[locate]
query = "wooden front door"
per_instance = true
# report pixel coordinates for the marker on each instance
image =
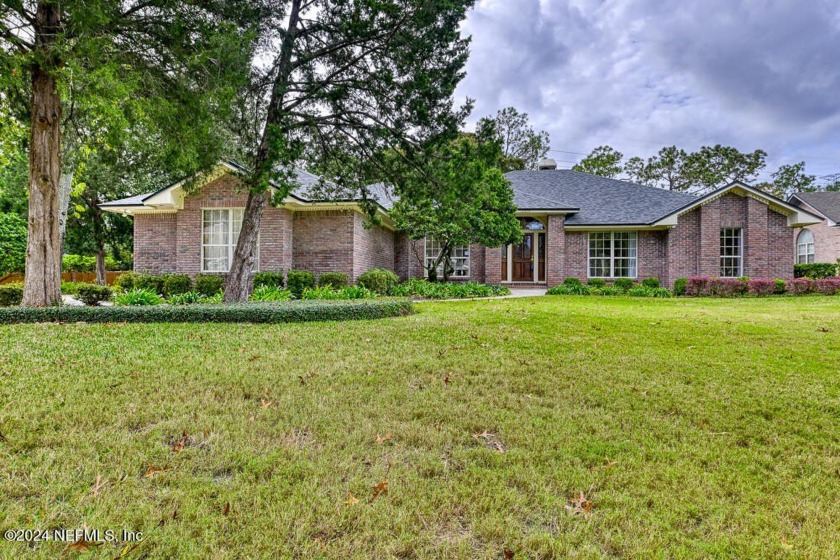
(523, 259)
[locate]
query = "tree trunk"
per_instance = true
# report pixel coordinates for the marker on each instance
(98, 220)
(42, 284)
(65, 185)
(238, 283)
(100, 267)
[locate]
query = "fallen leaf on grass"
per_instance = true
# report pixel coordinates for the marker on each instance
(508, 554)
(98, 485)
(823, 329)
(491, 440)
(226, 509)
(580, 505)
(181, 442)
(351, 499)
(128, 549)
(152, 471)
(446, 379)
(382, 439)
(82, 545)
(380, 489)
(265, 404)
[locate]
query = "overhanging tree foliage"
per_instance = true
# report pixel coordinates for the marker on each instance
(185, 56)
(457, 197)
(522, 146)
(604, 161)
(342, 81)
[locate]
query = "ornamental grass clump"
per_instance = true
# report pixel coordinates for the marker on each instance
(138, 296)
(270, 293)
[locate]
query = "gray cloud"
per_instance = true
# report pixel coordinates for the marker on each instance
(640, 74)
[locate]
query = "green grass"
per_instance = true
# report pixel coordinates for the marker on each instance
(696, 428)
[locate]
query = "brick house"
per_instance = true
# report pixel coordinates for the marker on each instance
(573, 224)
(818, 242)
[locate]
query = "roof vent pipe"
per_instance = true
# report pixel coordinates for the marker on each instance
(547, 164)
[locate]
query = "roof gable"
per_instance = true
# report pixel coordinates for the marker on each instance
(826, 203)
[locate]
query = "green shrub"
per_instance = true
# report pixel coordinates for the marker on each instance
(324, 292)
(280, 312)
(572, 289)
(176, 284)
(268, 278)
(92, 294)
(610, 291)
(357, 292)
(209, 284)
(187, 298)
(816, 271)
(780, 286)
(379, 280)
(417, 287)
(13, 232)
(651, 282)
(642, 291)
(270, 293)
(11, 294)
(594, 282)
(299, 280)
(70, 288)
(624, 283)
(138, 296)
(333, 279)
(78, 263)
(680, 286)
(125, 281)
(573, 282)
(150, 282)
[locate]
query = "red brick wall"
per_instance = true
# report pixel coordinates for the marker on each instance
(373, 247)
(154, 245)
(652, 255)
(577, 256)
(694, 244)
(555, 251)
(323, 241)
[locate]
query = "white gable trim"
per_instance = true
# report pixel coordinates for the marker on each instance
(796, 217)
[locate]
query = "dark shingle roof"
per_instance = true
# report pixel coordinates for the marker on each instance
(825, 202)
(599, 201)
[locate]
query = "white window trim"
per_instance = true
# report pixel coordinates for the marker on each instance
(612, 276)
(468, 261)
(805, 253)
(740, 256)
(231, 248)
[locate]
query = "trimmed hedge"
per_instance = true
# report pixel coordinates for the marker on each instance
(378, 280)
(176, 284)
(448, 290)
(209, 285)
(816, 271)
(268, 278)
(282, 312)
(298, 281)
(333, 280)
(93, 294)
(11, 294)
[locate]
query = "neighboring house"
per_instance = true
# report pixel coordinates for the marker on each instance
(818, 242)
(573, 224)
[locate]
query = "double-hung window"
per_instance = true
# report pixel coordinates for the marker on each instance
(459, 256)
(219, 235)
(731, 253)
(612, 254)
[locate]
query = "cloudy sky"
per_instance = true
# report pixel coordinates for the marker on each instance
(642, 74)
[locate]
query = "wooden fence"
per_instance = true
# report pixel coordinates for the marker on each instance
(89, 277)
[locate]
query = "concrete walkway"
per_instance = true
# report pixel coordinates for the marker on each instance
(525, 292)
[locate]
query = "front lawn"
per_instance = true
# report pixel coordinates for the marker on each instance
(693, 427)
